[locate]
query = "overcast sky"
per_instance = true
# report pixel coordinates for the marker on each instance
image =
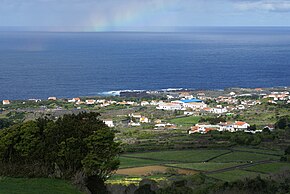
(94, 15)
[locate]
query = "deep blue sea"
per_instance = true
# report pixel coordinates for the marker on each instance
(43, 64)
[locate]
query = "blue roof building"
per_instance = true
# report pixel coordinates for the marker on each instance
(191, 100)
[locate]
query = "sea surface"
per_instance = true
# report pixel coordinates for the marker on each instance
(43, 64)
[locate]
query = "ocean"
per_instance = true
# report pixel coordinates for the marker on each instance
(43, 64)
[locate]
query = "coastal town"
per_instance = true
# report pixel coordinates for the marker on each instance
(157, 110)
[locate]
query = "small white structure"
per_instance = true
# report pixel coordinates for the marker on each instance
(188, 113)
(6, 102)
(219, 110)
(90, 101)
(144, 120)
(52, 98)
(109, 122)
(241, 107)
(145, 103)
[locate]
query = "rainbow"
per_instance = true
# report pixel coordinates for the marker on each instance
(134, 14)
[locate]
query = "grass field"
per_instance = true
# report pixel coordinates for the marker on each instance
(261, 151)
(207, 166)
(180, 156)
(245, 157)
(234, 175)
(36, 186)
(185, 121)
(136, 162)
(270, 168)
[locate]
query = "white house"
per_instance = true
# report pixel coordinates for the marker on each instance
(219, 110)
(5, 102)
(145, 103)
(240, 126)
(227, 126)
(90, 101)
(109, 122)
(52, 98)
(170, 106)
(195, 105)
(144, 120)
(74, 100)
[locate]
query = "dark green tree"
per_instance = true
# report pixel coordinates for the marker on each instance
(61, 148)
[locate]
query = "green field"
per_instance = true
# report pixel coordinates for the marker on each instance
(180, 156)
(245, 157)
(270, 168)
(261, 151)
(185, 121)
(207, 166)
(234, 175)
(36, 186)
(136, 162)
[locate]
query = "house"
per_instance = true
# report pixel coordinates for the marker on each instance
(144, 120)
(240, 126)
(74, 100)
(219, 110)
(145, 103)
(192, 103)
(109, 122)
(241, 107)
(202, 128)
(195, 105)
(90, 101)
(5, 102)
(188, 113)
(52, 98)
(170, 106)
(270, 127)
(165, 126)
(227, 126)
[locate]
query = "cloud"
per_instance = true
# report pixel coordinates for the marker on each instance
(264, 5)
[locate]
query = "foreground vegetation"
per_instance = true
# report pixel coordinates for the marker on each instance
(36, 186)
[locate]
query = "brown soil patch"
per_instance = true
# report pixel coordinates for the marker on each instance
(145, 170)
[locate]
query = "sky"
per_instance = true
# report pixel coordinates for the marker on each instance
(108, 15)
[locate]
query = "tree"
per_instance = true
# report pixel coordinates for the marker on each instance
(283, 122)
(65, 147)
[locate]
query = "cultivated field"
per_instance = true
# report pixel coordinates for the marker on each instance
(224, 164)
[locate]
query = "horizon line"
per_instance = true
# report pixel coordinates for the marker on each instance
(89, 29)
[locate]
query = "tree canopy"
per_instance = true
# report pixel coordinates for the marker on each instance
(61, 148)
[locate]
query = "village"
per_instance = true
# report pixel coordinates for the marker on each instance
(155, 110)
